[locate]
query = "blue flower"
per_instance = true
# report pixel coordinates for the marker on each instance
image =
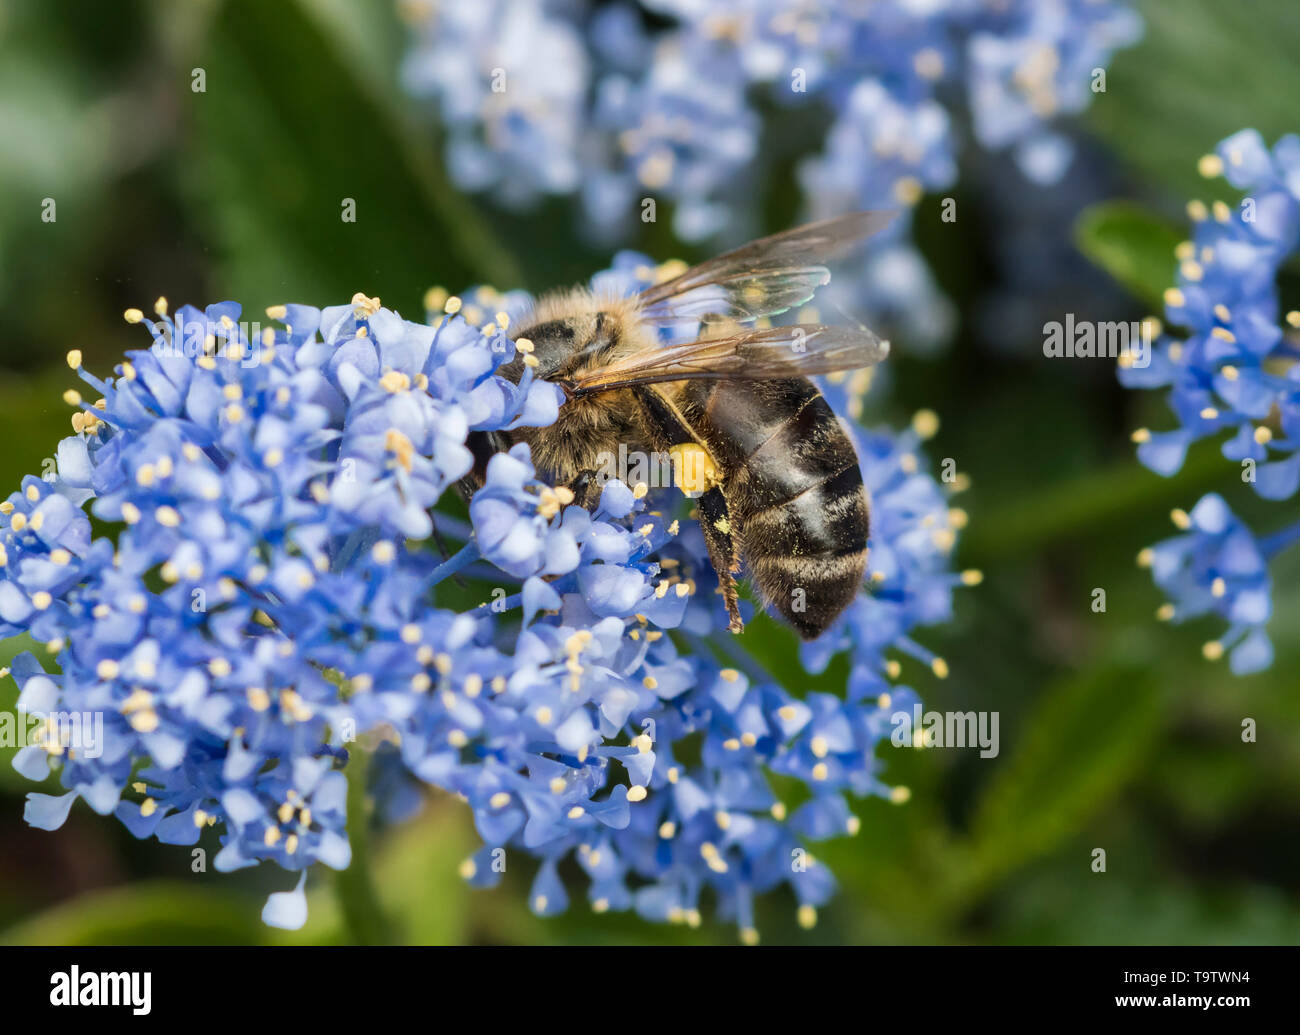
(1218, 567)
(627, 104)
(260, 597)
(1231, 375)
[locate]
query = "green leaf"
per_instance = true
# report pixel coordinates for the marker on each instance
(289, 129)
(150, 913)
(1203, 70)
(1085, 739)
(417, 874)
(1133, 245)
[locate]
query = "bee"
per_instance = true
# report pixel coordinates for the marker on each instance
(782, 487)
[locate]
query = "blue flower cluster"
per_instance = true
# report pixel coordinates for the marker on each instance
(1231, 372)
(658, 99)
(234, 567)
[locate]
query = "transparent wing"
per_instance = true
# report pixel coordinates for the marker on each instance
(763, 278)
(798, 350)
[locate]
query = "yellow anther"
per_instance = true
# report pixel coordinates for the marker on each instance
(363, 306)
(401, 447)
(395, 381)
(925, 423)
(908, 190)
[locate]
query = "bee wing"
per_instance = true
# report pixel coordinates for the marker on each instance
(799, 350)
(762, 278)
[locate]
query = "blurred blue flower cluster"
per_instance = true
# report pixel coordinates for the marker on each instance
(234, 567)
(660, 99)
(1231, 372)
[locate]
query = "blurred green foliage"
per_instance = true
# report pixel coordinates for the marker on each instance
(1115, 733)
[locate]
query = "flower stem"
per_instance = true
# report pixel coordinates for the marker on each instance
(462, 558)
(1279, 541)
(363, 913)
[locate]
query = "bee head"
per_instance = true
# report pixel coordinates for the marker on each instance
(566, 343)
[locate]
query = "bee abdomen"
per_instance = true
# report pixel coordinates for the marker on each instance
(804, 514)
(807, 555)
(794, 487)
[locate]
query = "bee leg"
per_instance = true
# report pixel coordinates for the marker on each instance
(724, 552)
(586, 489)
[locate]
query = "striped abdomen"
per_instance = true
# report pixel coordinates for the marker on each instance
(794, 491)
